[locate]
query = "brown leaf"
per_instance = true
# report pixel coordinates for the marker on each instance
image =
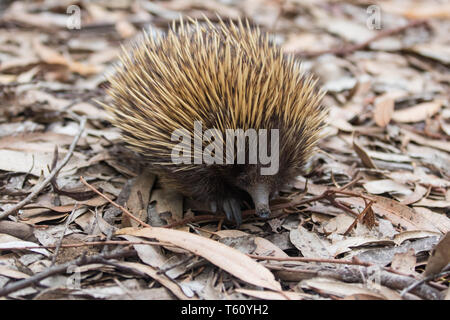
(440, 256)
(405, 262)
(419, 193)
(226, 258)
(162, 279)
(310, 245)
(139, 197)
(384, 108)
(362, 153)
(51, 56)
(167, 201)
(418, 113)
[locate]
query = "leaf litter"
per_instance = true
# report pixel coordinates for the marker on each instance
(375, 198)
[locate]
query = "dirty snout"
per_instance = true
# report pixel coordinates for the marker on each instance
(260, 194)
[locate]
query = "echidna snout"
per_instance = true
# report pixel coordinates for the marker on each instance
(260, 194)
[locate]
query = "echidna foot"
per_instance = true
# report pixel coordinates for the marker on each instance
(231, 207)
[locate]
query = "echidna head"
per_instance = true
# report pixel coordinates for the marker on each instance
(261, 188)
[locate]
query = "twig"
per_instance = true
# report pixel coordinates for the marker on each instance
(358, 218)
(201, 218)
(353, 274)
(351, 183)
(62, 268)
(92, 243)
(55, 254)
(420, 282)
(327, 194)
(352, 48)
(388, 279)
(124, 210)
(47, 180)
(354, 261)
(303, 259)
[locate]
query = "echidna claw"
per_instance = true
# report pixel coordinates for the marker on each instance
(232, 209)
(213, 206)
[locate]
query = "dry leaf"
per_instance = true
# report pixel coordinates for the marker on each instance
(162, 279)
(309, 244)
(343, 289)
(139, 197)
(386, 185)
(440, 257)
(51, 56)
(362, 153)
(419, 193)
(384, 108)
(405, 262)
(417, 113)
(226, 258)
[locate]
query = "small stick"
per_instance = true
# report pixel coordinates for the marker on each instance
(351, 183)
(52, 174)
(124, 210)
(93, 243)
(63, 233)
(414, 285)
(83, 260)
(358, 218)
(303, 259)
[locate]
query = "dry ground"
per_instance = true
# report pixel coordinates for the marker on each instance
(377, 195)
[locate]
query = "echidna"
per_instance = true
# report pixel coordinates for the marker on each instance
(222, 77)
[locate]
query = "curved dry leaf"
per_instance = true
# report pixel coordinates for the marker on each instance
(365, 158)
(153, 273)
(51, 56)
(440, 256)
(418, 113)
(384, 108)
(386, 185)
(403, 215)
(343, 289)
(169, 205)
(433, 203)
(405, 262)
(139, 197)
(397, 213)
(309, 243)
(416, 234)
(265, 247)
(11, 273)
(439, 220)
(438, 144)
(8, 242)
(347, 244)
(226, 258)
(419, 193)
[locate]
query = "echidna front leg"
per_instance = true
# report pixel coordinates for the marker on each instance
(231, 207)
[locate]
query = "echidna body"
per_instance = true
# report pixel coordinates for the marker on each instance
(229, 76)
